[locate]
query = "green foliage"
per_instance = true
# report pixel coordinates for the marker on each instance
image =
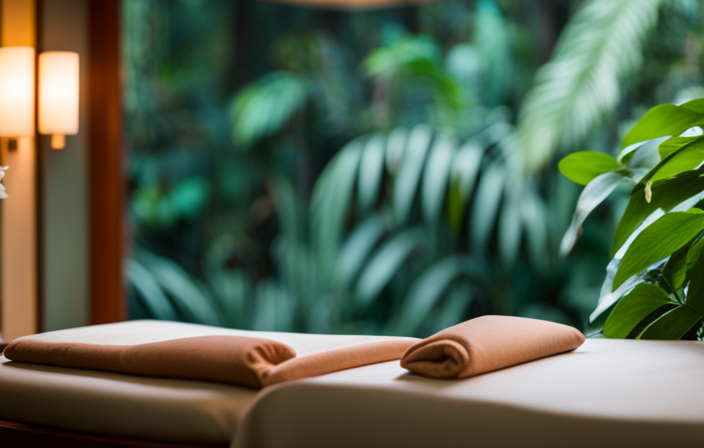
(601, 46)
(415, 61)
(378, 243)
(634, 308)
(582, 167)
(262, 108)
(658, 243)
(241, 198)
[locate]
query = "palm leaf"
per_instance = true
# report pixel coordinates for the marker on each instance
(573, 92)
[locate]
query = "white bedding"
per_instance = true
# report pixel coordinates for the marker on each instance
(137, 407)
(608, 393)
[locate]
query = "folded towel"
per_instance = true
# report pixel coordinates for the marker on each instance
(488, 343)
(240, 360)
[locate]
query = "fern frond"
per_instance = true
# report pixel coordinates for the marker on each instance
(573, 92)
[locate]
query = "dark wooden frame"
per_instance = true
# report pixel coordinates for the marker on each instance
(107, 183)
(21, 435)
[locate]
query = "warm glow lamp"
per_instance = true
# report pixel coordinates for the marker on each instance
(58, 95)
(16, 92)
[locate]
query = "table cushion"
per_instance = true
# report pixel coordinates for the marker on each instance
(607, 393)
(132, 406)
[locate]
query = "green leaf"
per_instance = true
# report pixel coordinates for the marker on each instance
(150, 292)
(674, 324)
(486, 205)
(428, 289)
(332, 198)
(630, 311)
(582, 167)
(510, 229)
(693, 255)
(395, 149)
(385, 264)
(665, 120)
(265, 106)
(666, 194)
(182, 289)
(680, 154)
(465, 168)
(435, 179)
(599, 47)
(535, 220)
(592, 195)
(658, 241)
(675, 269)
(371, 172)
(356, 249)
(606, 301)
(410, 171)
(695, 292)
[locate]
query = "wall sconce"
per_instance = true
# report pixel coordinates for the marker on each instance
(58, 95)
(16, 93)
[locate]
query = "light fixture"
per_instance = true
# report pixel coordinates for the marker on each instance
(58, 95)
(16, 93)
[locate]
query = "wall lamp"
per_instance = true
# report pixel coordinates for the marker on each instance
(16, 93)
(57, 88)
(58, 95)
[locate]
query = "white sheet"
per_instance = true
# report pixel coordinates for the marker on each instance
(139, 407)
(608, 393)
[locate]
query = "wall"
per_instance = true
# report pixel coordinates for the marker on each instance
(63, 25)
(18, 241)
(44, 230)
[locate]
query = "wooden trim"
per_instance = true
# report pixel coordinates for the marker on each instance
(22, 435)
(107, 185)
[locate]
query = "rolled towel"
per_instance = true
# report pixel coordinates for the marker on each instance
(488, 343)
(234, 359)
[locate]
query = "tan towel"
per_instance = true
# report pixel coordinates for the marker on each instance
(488, 343)
(240, 360)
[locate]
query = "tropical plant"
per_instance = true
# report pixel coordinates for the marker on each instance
(228, 140)
(581, 85)
(654, 287)
(407, 232)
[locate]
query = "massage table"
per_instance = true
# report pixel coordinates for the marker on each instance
(607, 393)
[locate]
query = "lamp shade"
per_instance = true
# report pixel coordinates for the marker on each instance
(58, 95)
(16, 92)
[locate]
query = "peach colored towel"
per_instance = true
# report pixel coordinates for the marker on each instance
(240, 360)
(488, 343)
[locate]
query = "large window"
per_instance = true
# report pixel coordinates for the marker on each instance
(389, 171)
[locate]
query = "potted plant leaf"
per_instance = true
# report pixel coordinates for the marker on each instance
(654, 287)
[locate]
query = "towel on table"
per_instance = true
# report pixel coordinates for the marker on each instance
(488, 343)
(240, 360)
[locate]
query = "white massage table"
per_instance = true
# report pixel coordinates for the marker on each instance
(608, 393)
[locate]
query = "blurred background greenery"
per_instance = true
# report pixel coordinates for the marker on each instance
(387, 171)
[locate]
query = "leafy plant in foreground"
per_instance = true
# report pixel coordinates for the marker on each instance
(655, 279)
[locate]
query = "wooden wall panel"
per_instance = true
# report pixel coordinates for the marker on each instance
(107, 186)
